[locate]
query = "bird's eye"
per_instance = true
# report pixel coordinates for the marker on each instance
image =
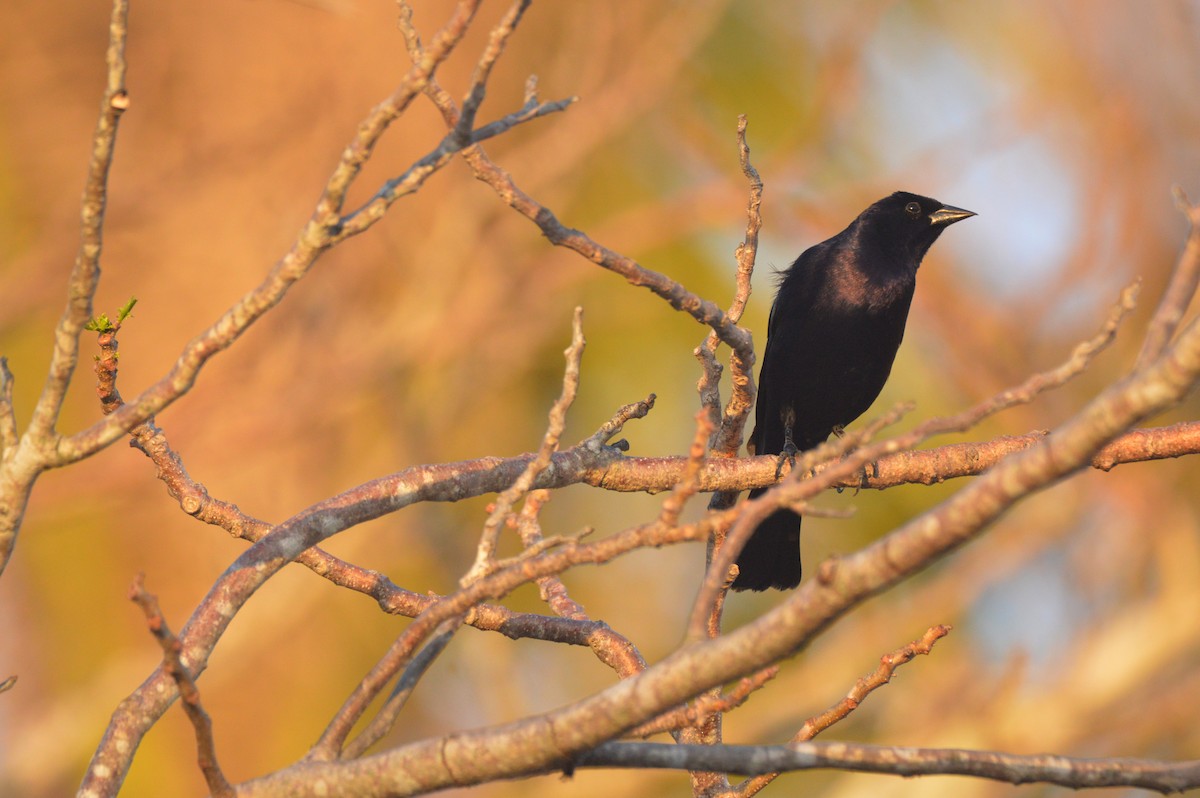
(913, 209)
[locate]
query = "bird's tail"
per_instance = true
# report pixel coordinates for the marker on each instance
(771, 557)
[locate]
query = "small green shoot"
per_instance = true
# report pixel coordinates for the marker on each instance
(103, 324)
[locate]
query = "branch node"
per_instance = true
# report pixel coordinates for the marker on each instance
(827, 571)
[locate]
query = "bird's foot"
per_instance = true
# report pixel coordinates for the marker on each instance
(837, 432)
(788, 455)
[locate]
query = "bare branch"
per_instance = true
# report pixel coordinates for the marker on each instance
(925, 466)
(371, 500)
(675, 294)
(113, 756)
(888, 664)
(678, 297)
(206, 751)
(414, 177)
(8, 417)
(372, 128)
(556, 739)
(1164, 777)
(404, 652)
(724, 437)
(1180, 290)
(324, 229)
(85, 277)
(26, 457)
(417, 663)
(483, 70)
(195, 500)
(368, 779)
(707, 727)
(612, 648)
(728, 439)
(708, 704)
(485, 557)
(689, 482)
(564, 738)
(792, 492)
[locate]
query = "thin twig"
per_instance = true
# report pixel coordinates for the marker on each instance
(888, 664)
(506, 577)
(728, 438)
(689, 482)
(483, 69)
(206, 751)
(502, 183)
(707, 726)
(371, 129)
(1180, 290)
(403, 652)
(241, 578)
(710, 703)
(610, 647)
(361, 219)
(383, 722)
(503, 504)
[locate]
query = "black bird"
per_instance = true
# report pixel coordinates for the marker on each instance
(834, 329)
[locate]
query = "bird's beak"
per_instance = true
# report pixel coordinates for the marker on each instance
(948, 214)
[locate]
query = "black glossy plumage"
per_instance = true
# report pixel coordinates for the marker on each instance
(834, 329)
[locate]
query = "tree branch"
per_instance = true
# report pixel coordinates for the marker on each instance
(25, 458)
(1180, 290)
(502, 508)
(85, 277)
(288, 540)
(502, 183)
(194, 499)
(206, 751)
(728, 439)
(556, 739)
(324, 229)
(1167, 369)
(1164, 777)
(882, 675)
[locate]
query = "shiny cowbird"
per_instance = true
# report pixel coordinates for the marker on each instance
(834, 329)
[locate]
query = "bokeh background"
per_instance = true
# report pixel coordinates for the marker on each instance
(437, 336)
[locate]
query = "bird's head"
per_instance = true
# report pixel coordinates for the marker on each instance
(909, 222)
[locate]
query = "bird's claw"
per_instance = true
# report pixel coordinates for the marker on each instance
(789, 455)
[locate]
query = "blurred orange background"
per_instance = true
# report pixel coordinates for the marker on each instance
(437, 336)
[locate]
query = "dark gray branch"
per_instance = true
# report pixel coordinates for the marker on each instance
(1077, 773)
